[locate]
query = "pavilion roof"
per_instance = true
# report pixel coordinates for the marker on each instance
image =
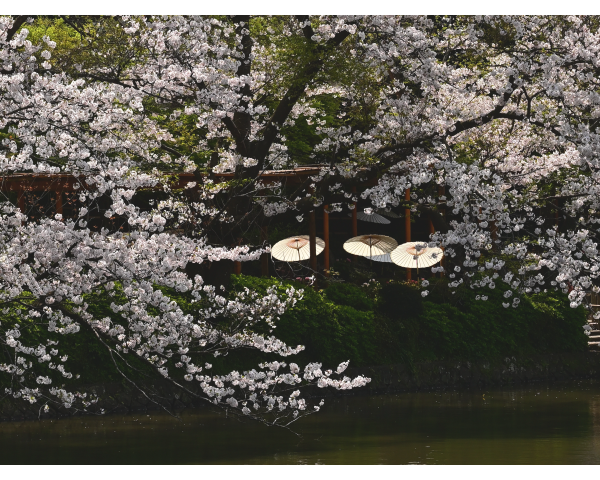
(66, 181)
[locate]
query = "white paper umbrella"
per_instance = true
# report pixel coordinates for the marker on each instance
(388, 213)
(416, 255)
(295, 249)
(371, 217)
(382, 258)
(370, 245)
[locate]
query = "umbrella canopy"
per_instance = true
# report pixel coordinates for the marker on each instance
(388, 213)
(295, 249)
(370, 245)
(416, 255)
(382, 258)
(371, 217)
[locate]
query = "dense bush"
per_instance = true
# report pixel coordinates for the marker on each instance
(89, 360)
(400, 300)
(350, 295)
(541, 324)
(343, 322)
(374, 325)
(331, 332)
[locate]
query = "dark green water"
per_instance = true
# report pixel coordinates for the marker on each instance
(557, 424)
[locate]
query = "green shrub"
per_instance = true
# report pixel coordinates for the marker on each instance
(439, 292)
(89, 360)
(331, 332)
(336, 324)
(400, 300)
(341, 323)
(350, 295)
(475, 329)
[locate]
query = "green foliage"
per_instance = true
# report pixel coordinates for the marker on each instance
(351, 295)
(65, 36)
(331, 332)
(343, 322)
(399, 300)
(88, 360)
(473, 329)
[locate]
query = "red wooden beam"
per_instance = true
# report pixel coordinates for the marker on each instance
(326, 239)
(65, 181)
(354, 220)
(264, 258)
(407, 226)
(59, 202)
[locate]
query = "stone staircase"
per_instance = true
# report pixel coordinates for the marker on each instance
(594, 325)
(594, 338)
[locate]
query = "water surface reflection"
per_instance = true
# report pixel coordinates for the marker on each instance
(557, 424)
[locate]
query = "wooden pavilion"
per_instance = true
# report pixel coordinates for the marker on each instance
(61, 186)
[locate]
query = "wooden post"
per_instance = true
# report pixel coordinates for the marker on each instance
(326, 239)
(59, 203)
(21, 200)
(407, 227)
(312, 234)
(354, 222)
(264, 258)
(431, 232)
(407, 215)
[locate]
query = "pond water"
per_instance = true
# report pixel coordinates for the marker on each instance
(539, 424)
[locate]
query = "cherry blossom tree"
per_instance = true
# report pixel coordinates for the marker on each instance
(490, 121)
(50, 269)
(499, 111)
